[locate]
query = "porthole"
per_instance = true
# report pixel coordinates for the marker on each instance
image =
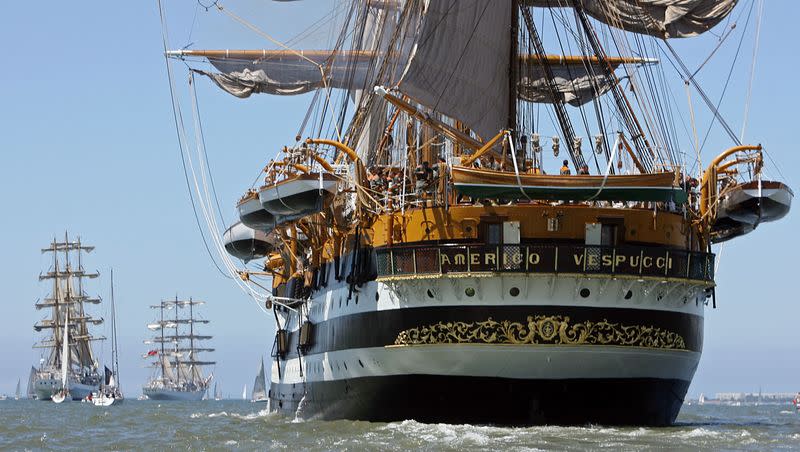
(514, 291)
(377, 296)
(360, 363)
(430, 293)
(469, 291)
(585, 292)
(628, 295)
(356, 299)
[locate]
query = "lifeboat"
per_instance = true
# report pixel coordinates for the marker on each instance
(756, 202)
(253, 215)
(483, 183)
(246, 243)
(298, 195)
(742, 207)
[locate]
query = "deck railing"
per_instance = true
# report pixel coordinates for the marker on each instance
(543, 258)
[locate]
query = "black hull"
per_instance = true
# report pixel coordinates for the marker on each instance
(482, 400)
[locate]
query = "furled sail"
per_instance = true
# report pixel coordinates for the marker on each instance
(577, 82)
(282, 72)
(662, 18)
(460, 63)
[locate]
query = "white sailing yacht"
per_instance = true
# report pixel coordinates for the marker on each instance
(260, 385)
(110, 393)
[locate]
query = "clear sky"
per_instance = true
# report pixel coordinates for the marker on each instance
(88, 145)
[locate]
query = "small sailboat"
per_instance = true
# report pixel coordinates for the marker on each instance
(63, 393)
(110, 392)
(244, 393)
(260, 385)
(217, 394)
(16, 394)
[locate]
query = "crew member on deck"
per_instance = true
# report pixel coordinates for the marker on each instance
(584, 170)
(423, 174)
(565, 168)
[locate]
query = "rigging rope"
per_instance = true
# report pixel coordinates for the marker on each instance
(759, 17)
(205, 202)
(178, 119)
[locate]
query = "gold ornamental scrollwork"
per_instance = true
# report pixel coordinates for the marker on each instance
(550, 330)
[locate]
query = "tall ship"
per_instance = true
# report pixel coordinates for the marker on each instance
(177, 365)
(67, 346)
(490, 212)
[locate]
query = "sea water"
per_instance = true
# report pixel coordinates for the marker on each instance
(240, 425)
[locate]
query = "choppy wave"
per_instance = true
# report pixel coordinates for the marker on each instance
(236, 425)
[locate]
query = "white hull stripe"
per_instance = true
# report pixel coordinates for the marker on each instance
(550, 362)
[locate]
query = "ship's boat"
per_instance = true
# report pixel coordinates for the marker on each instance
(297, 196)
(483, 183)
(755, 202)
(742, 207)
(253, 215)
(246, 243)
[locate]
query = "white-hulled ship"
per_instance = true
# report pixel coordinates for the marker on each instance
(479, 288)
(177, 368)
(67, 300)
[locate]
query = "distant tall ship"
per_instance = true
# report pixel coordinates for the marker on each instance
(69, 323)
(178, 371)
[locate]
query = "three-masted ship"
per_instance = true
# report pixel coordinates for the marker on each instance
(177, 367)
(428, 259)
(68, 326)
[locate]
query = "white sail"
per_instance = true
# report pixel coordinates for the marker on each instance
(16, 393)
(65, 350)
(288, 72)
(662, 18)
(244, 393)
(260, 384)
(167, 369)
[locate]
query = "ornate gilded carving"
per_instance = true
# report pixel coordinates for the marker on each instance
(553, 330)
